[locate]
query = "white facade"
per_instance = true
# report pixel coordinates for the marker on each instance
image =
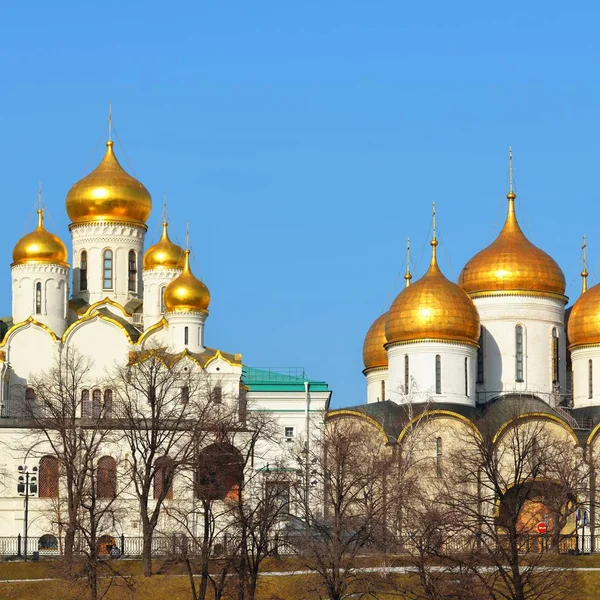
(585, 363)
(186, 331)
(378, 389)
(155, 284)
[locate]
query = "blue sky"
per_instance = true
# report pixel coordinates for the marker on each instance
(305, 141)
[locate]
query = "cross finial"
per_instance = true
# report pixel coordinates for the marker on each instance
(407, 276)
(584, 272)
(433, 221)
(40, 200)
(165, 207)
(187, 235)
(510, 170)
(109, 120)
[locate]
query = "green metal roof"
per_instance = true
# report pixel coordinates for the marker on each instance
(271, 379)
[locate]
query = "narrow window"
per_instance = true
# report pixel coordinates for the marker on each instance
(48, 477)
(132, 271)
(590, 380)
(83, 271)
(216, 394)
(108, 404)
(96, 403)
(107, 281)
(519, 354)
(38, 298)
(438, 374)
(185, 394)
(382, 390)
(186, 336)
(466, 377)
(438, 457)
(29, 401)
(163, 308)
(106, 485)
(406, 374)
(86, 407)
(480, 357)
(163, 478)
(555, 373)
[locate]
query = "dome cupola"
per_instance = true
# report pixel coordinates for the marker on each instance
(374, 353)
(186, 293)
(40, 246)
(109, 194)
(164, 254)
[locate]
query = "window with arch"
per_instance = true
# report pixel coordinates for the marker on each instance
(185, 394)
(466, 376)
(383, 390)
(107, 270)
(216, 394)
(163, 308)
(132, 278)
(163, 478)
(590, 379)
(438, 374)
(48, 543)
(438, 457)
(186, 335)
(108, 404)
(83, 271)
(480, 372)
(555, 370)
(96, 403)
(86, 406)
(106, 479)
(29, 401)
(519, 353)
(406, 374)
(48, 477)
(38, 298)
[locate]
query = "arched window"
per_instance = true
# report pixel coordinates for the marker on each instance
(406, 374)
(555, 370)
(186, 335)
(438, 457)
(185, 394)
(38, 298)
(466, 377)
(590, 379)
(29, 401)
(48, 477)
(163, 478)
(106, 486)
(438, 374)
(86, 407)
(83, 271)
(383, 390)
(519, 353)
(107, 270)
(219, 473)
(108, 400)
(163, 308)
(96, 403)
(216, 394)
(132, 271)
(480, 356)
(47, 543)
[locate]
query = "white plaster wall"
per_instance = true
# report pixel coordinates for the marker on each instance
(55, 290)
(580, 358)
(97, 237)
(422, 372)
(538, 316)
(154, 281)
(195, 324)
(374, 379)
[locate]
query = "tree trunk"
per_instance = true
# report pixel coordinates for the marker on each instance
(147, 551)
(204, 560)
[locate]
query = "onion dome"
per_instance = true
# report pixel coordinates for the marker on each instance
(186, 293)
(512, 264)
(110, 194)
(433, 308)
(374, 354)
(40, 246)
(583, 327)
(164, 254)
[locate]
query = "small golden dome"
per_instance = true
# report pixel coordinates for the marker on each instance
(108, 193)
(433, 308)
(583, 326)
(40, 246)
(186, 293)
(374, 353)
(511, 263)
(164, 254)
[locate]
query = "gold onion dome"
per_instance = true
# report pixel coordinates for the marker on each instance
(433, 308)
(40, 246)
(164, 254)
(583, 326)
(109, 193)
(374, 353)
(186, 293)
(511, 263)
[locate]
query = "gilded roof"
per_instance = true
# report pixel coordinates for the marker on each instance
(511, 263)
(374, 353)
(186, 293)
(583, 326)
(40, 246)
(164, 254)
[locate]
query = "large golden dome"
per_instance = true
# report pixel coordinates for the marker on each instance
(583, 326)
(374, 354)
(512, 264)
(40, 246)
(164, 254)
(186, 293)
(433, 308)
(108, 193)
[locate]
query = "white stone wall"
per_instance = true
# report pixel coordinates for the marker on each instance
(422, 372)
(580, 358)
(95, 238)
(54, 282)
(195, 326)
(538, 316)
(155, 281)
(375, 377)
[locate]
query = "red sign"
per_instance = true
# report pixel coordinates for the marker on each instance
(542, 527)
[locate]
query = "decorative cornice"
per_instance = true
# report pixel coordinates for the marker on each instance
(26, 323)
(41, 267)
(373, 369)
(435, 340)
(523, 293)
(90, 317)
(148, 332)
(77, 228)
(160, 273)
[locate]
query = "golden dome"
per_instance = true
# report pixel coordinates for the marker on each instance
(433, 308)
(186, 293)
(374, 354)
(164, 254)
(583, 326)
(511, 263)
(40, 246)
(108, 193)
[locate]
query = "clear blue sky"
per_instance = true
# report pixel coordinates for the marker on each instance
(305, 140)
